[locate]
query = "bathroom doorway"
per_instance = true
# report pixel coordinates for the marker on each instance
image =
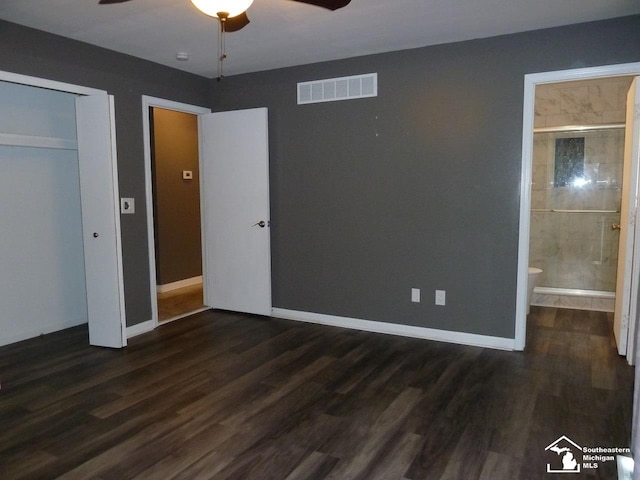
(573, 146)
(576, 191)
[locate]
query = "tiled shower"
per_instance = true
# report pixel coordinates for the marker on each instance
(576, 192)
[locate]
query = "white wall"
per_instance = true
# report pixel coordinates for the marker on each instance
(42, 285)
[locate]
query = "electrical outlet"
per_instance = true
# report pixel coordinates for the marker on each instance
(441, 297)
(415, 295)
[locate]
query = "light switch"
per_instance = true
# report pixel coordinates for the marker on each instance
(187, 175)
(127, 205)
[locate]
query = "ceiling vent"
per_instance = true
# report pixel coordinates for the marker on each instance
(342, 88)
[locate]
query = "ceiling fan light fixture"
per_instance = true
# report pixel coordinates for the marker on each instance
(212, 7)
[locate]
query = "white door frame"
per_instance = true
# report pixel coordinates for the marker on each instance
(530, 83)
(148, 102)
(85, 91)
(49, 84)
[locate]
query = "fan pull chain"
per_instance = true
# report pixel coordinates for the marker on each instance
(222, 49)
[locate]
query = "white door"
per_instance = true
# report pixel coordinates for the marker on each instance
(101, 220)
(627, 281)
(235, 196)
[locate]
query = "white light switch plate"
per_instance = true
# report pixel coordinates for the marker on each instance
(127, 205)
(441, 297)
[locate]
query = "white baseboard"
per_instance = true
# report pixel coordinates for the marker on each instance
(472, 339)
(187, 282)
(140, 328)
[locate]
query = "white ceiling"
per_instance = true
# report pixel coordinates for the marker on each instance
(284, 33)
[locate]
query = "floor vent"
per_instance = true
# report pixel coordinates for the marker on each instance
(342, 88)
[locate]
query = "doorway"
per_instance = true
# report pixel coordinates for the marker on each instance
(173, 217)
(234, 186)
(176, 213)
(533, 199)
(576, 191)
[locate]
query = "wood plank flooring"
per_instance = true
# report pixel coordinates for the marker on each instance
(228, 396)
(179, 302)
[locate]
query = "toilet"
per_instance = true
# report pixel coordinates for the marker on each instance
(534, 274)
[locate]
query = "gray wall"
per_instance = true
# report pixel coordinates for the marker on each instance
(177, 201)
(418, 187)
(32, 52)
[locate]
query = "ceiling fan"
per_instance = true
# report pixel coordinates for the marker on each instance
(233, 17)
(232, 14)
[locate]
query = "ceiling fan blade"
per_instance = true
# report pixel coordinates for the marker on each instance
(330, 4)
(109, 2)
(236, 23)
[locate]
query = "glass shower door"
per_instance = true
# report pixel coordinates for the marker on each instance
(575, 216)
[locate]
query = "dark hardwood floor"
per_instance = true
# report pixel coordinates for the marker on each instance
(229, 396)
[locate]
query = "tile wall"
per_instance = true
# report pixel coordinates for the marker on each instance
(586, 102)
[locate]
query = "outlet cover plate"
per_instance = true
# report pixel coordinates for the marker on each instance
(441, 297)
(415, 295)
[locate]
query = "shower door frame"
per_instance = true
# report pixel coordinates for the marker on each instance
(530, 83)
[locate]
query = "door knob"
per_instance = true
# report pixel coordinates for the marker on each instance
(96, 234)
(615, 226)
(260, 224)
